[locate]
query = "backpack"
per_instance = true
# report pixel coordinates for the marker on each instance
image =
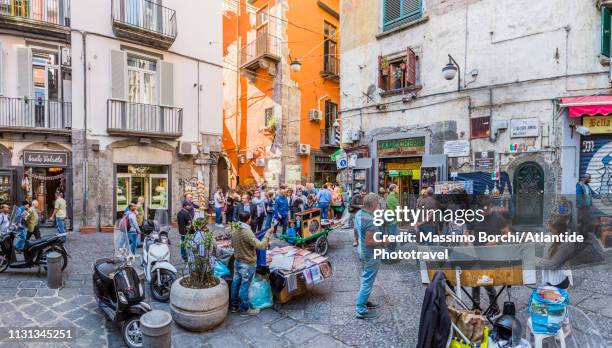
(126, 222)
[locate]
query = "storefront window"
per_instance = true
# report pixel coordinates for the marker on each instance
(158, 192)
(123, 184)
(150, 182)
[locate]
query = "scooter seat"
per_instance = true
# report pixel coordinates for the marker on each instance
(31, 243)
(106, 269)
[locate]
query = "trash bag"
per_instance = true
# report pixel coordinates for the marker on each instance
(548, 309)
(221, 269)
(260, 293)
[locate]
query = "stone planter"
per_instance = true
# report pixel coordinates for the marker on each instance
(199, 309)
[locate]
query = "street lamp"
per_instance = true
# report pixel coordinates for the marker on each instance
(296, 65)
(450, 70)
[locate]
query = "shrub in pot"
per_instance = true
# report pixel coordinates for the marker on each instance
(199, 300)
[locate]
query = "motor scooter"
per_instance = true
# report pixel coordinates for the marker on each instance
(159, 272)
(118, 289)
(34, 251)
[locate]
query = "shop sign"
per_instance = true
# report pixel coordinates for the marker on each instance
(401, 147)
(524, 127)
(457, 148)
(45, 159)
(598, 124)
(484, 161)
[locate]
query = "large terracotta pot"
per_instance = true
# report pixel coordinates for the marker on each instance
(199, 309)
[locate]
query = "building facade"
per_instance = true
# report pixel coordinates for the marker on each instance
(109, 101)
(436, 90)
(279, 120)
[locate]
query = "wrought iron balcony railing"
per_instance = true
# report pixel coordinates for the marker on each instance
(21, 114)
(125, 118)
(40, 17)
(264, 46)
(144, 21)
(328, 138)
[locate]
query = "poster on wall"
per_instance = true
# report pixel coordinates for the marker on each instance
(447, 187)
(293, 174)
(457, 148)
(484, 161)
(596, 160)
(524, 127)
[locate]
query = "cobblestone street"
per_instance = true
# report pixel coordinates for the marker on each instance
(322, 318)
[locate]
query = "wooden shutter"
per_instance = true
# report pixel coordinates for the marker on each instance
(118, 75)
(166, 83)
(24, 72)
(410, 67)
(605, 31)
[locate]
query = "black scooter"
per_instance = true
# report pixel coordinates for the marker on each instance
(34, 251)
(120, 295)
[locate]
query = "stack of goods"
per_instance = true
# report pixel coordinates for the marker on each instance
(548, 309)
(290, 263)
(197, 190)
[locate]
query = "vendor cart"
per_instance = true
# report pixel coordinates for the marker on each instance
(312, 231)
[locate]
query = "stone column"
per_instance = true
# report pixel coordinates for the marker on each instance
(156, 327)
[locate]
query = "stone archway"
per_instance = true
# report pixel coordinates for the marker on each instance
(529, 194)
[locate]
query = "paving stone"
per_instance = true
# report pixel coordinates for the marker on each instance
(6, 307)
(268, 315)
(226, 340)
(29, 284)
(44, 292)
(27, 293)
(63, 307)
(283, 325)
(76, 314)
(301, 334)
(32, 309)
(19, 320)
(324, 341)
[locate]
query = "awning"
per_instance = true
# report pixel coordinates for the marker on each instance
(588, 106)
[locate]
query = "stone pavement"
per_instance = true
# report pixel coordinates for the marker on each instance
(322, 318)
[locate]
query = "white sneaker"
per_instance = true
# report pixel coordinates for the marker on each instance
(219, 225)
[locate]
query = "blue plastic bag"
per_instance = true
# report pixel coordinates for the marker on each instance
(221, 269)
(260, 293)
(548, 309)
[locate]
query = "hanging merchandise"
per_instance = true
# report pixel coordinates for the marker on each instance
(45, 178)
(25, 183)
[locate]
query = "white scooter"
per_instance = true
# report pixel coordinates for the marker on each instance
(158, 270)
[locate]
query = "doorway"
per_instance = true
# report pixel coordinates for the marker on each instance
(223, 174)
(529, 194)
(46, 86)
(405, 173)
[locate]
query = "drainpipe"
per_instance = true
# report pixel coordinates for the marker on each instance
(85, 154)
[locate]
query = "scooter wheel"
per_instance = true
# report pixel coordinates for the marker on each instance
(161, 292)
(130, 330)
(4, 262)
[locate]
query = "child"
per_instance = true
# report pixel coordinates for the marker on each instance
(292, 231)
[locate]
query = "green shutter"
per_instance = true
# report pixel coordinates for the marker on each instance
(393, 10)
(605, 31)
(398, 12)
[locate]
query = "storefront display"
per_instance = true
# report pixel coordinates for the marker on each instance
(6, 186)
(150, 182)
(197, 190)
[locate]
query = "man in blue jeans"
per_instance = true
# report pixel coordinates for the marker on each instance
(324, 197)
(364, 222)
(281, 210)
(245, 244)
(21, 226)
(59, 213)
(134, 228)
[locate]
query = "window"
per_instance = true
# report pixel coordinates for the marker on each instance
(397, 73)
(399, 12)
(262, 31)
(605, 31)
(480, 127)
(269, 120)
(331, 116)
(142, 80)
(330, 49)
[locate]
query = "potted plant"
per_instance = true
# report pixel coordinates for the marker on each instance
(385, 66)
(199, 300)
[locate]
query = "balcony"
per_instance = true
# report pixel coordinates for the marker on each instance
(144, 22)
(39, 17)
(263, 52)
(144, 120)
(37, 116)
(331, 68)
(328, 140)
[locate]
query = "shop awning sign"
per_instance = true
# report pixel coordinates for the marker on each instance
(598, 124)
(45, 159)
(401, 147)
(457, 148)
(524, 127)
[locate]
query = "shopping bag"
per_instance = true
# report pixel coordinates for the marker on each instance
(471, 324)
(548, 309)
(221, 269)
(260, 293)
(458, 342)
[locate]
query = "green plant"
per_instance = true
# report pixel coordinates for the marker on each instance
(200, 247)
(234, 226)
(384, 63)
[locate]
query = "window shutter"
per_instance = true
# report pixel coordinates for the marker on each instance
(166, 78)
(605, 31)
(118, 75)
(24, 72)
(410, 7)
(410, 67)
(392, 10)
(381, 78)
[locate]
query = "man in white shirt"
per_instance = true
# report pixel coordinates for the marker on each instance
(219, 204)
(5, 221)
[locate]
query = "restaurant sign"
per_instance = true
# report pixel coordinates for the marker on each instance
(45, 159)
(598, 124)
(401, 147)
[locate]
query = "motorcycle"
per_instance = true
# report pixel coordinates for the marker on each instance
(119, 291)
(159, 272)
(34, 251)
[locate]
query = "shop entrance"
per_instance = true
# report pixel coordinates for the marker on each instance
(405, 173)
(45, 182)
(150, 182)
(529, 194)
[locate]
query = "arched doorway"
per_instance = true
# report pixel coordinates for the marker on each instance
(529, 194)
(223, 173)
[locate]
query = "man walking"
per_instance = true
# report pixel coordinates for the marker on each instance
(370, 265)
(281, 209)
(21, 224)
(219, 204)
(392, 203)
(584, 201)
(184, 219)
(354, 207)
(31, 220)
(59, 212)
(245, 244)
(324, 198)
(5, 221)
(134, 229)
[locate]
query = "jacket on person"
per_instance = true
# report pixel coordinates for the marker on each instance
(392, 203)
(435, 322)
(281, 206)
(245, 244)
(183, 218)
(239, 209)
(356, 203)
(31, 219)
(584, 195)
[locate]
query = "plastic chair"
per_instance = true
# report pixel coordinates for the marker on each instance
(538, 339)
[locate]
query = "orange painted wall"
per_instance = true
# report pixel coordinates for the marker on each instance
(256, 94)
(307, 46)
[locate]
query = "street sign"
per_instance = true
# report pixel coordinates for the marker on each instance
(457, 148)
(524, 127)
(341, 161)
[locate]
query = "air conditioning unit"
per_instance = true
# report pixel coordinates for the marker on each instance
(260, 162)
(355, 134)
(315, 115)
(304, 149)
(188, 148)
